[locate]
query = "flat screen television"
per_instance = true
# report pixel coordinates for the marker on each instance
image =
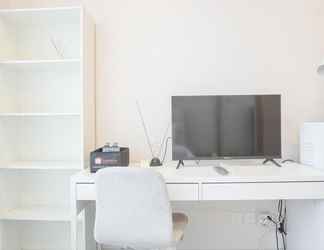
(225, 127)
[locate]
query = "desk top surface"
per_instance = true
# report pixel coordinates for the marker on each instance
(289, 172)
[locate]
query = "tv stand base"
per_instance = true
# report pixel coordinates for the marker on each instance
(180, 162)
(271, 160)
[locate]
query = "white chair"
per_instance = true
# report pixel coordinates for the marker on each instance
(133, 210)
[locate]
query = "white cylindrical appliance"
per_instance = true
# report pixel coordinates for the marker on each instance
(312, 144)
(320, 69)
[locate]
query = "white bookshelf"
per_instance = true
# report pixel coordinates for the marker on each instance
(47, 121)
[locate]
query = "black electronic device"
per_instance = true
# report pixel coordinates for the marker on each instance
(226, 127)
(109, 157)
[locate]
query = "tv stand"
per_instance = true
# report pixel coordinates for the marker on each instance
(273, 161)
(180, 162)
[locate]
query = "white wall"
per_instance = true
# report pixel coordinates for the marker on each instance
(149, 50)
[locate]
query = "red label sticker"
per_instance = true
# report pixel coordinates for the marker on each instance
(98, 160)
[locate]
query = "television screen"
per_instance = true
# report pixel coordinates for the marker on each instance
(220, 127)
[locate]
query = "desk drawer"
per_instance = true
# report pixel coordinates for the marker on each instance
(176, 191)
(183, 191)
(263, 191)
(85, 192)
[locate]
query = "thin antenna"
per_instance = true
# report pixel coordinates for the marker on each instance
(144, 127)
(57, 49)
(163, 140)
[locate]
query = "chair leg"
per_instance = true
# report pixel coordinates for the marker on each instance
(171, 248)
(98, 246)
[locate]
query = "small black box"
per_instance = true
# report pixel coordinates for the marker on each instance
(99, 159)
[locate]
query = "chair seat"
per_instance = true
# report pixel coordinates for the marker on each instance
(180, 221)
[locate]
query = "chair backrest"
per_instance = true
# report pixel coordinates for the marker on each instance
(132, 209)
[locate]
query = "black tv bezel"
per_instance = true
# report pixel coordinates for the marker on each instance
(279, 156)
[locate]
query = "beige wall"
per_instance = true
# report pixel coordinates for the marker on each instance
(150, 50)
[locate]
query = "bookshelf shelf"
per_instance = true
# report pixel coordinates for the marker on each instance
(41, 165)
(28, 62)
(37, 213)
(37, 114)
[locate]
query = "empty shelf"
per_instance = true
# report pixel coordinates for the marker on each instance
(18, 114)
(37, 213)
(42, 165)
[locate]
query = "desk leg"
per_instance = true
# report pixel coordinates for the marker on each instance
(82, 222)
(305, 224)
(89, 219)
(74, 217)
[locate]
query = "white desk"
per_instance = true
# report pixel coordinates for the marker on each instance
(291, 182)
